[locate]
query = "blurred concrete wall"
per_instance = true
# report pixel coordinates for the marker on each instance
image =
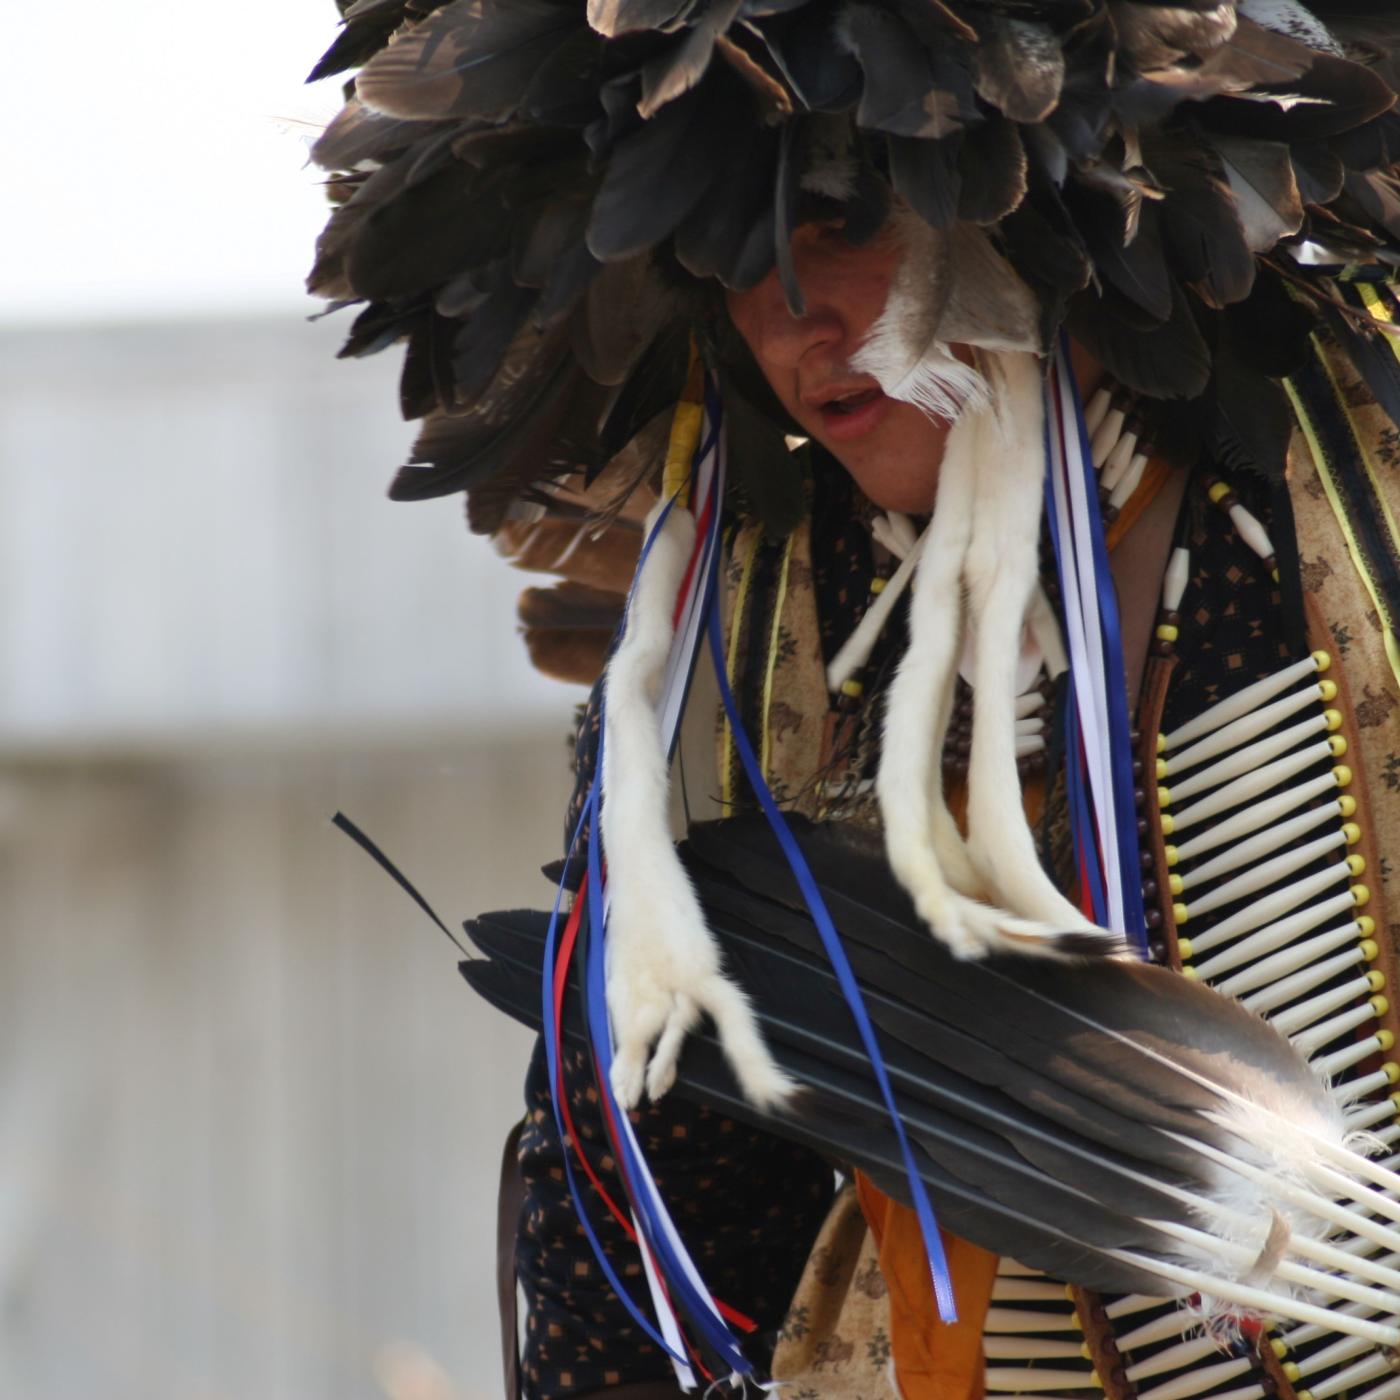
(250, 1117)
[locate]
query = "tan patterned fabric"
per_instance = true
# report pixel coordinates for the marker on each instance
(1353, 637)
(835, 1344)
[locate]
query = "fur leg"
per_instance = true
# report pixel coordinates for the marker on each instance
(1001, 575)
(663, 965)
(921, 839)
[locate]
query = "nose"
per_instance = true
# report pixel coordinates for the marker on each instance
(778, 339)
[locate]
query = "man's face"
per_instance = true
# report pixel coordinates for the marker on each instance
(891, 448)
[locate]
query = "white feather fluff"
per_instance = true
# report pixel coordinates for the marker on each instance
(663, 964)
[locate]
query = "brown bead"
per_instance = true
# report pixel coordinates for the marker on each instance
(1152, 918)
(1142, 826)
(1149, 889)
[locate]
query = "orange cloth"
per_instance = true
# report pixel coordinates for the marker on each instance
(932, 1360)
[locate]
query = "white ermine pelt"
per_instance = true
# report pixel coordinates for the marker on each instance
(980, 552)
(663, 965)
(925, 850)
(1001, 571)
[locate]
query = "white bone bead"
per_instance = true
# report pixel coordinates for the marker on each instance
(1242, 730)
(1290, 988)
(1027, 1290)
(1335, 1354)
(903, 531)
(1251, 785)
(1339, 1060)
(1252, 532)
(1256, 816)
(1176, 1323)
(1273, 935)
(1097, 410)
(1119, 460)
(1310, 1331)
(1305, 1013)
(1024, 1320)
(1198, 1380)
(1367, 1369)
(1324, 1033)
(1288, 960)
(1388, 1390)
(1259, 845)
(1029, 703)
(1013, 1380)
(1240, 703)
(1173, 1358)
(1106, 436)
(1128, 482)
(1247, 759)
(1032, 725)
(1130, 1303)
(1176, 578)
(1030, 1349)
(1272, 906)
(1388, 1136)
(1370, 1115)
(1027, 744)
(1364, 1084)
(1244, 1392)
(1267, 873)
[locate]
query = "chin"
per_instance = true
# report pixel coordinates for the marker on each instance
(897, 466)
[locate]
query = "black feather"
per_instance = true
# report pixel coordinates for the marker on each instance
(1169, 361)
(472, 58)
(926, 176)
(993, 171)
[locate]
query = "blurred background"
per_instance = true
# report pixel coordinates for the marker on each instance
(250, 1119)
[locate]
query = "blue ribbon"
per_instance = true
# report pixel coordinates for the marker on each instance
(1128, 874)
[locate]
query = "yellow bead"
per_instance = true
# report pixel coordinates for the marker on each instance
(1174, 884)
(1369, 950)
(1365, 926)
(1333, 720)
(1183, 946)
(1356, 864)
(1338, 744)
(1360, 896)
(1218, 492)
(1391, 1071)
(1327, 690)
(1385, 1039)
(1346, 804)
(1188, 971)
(1168, 825)
(1167, 632)
(877, 585)
(1343, 775)
(1292, 1370)
(852, 688)
(1164, 797)
(1376, 980)
(1279, 1347)
(1171, 855)
(1180, 913)
(1161, 767)
(1321, 660)
(1161, 743)
(1379, 1006)
(1351, 833)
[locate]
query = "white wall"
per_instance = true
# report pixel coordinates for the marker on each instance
(195, 544)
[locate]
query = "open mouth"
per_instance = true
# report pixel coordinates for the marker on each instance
(846, 404)
(850, 413)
